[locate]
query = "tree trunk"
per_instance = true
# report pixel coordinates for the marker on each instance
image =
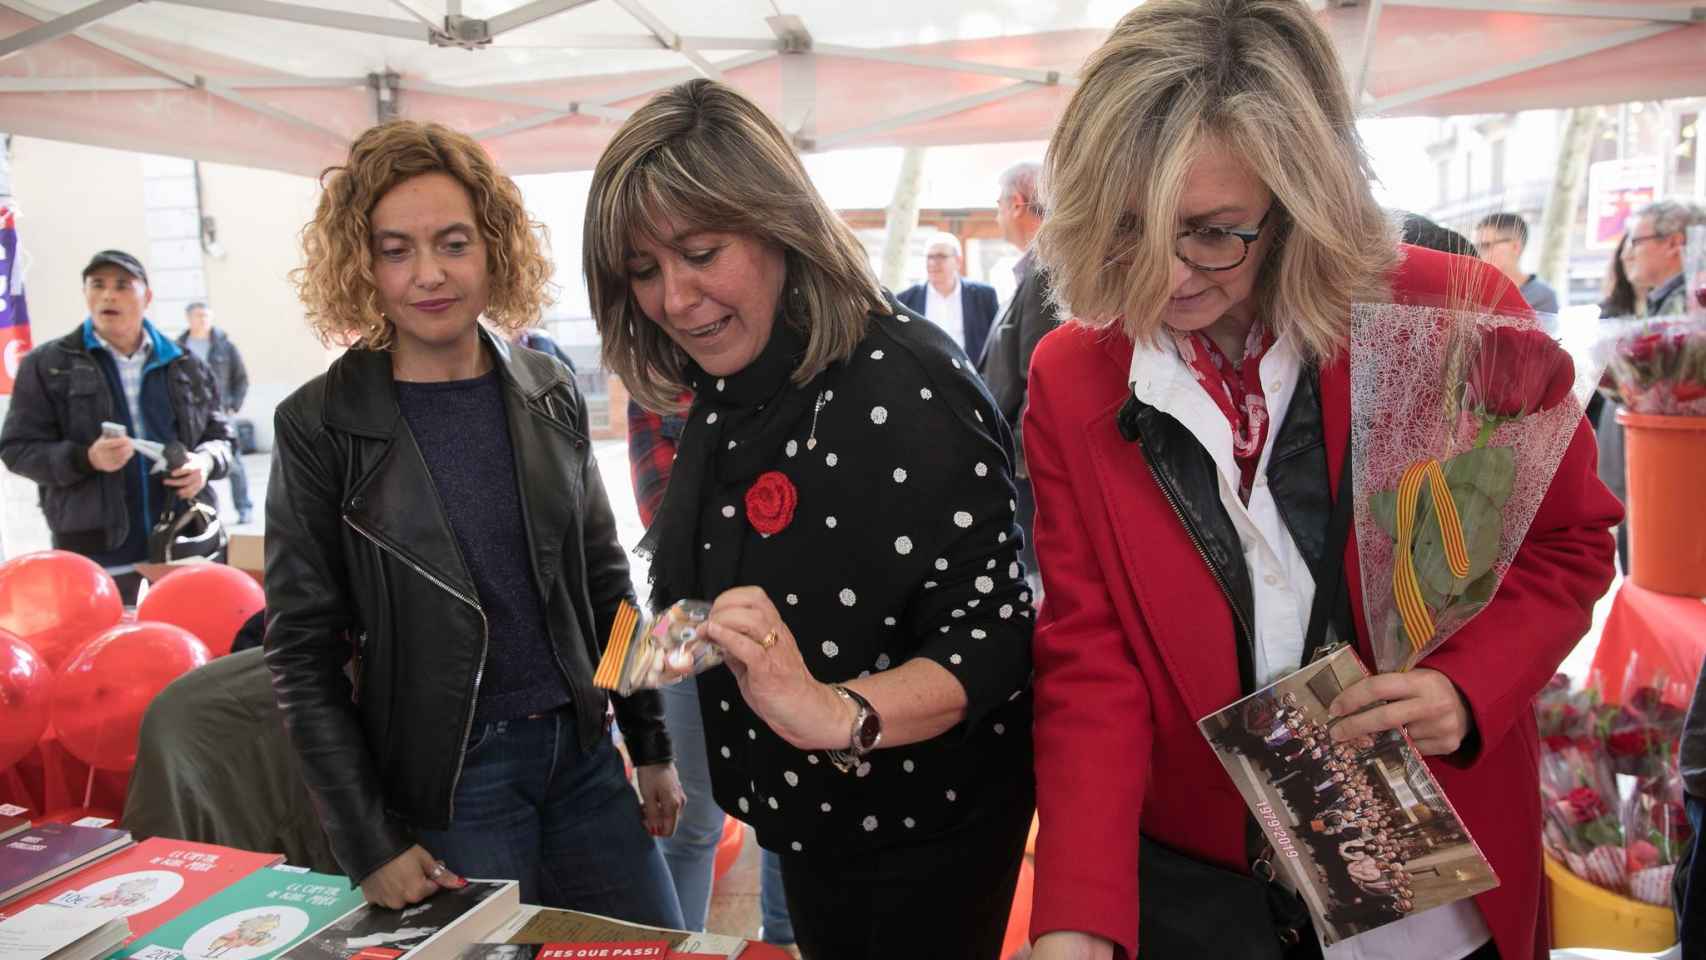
(903, 217)
(1568, 182)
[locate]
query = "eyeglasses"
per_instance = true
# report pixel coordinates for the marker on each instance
(1210, 249)
(1637, 241)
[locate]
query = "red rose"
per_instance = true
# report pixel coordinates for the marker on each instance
(1643, 348)
(1518, 372)
(1643, 855)
(1557, 743)
(1628, 743)
(1584, 805)
(770, 503)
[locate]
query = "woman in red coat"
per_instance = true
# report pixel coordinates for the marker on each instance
(1211, 224)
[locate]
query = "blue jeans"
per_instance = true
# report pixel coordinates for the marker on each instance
(692, 851)
(532, 807)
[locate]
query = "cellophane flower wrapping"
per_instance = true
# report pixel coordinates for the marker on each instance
(1459, 420)
(1582, 825)
(1655, 366)
(1610, 788)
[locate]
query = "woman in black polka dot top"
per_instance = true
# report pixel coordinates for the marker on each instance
(843, 494)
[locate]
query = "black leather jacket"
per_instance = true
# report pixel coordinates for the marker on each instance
(1297, 476)
(360, 560)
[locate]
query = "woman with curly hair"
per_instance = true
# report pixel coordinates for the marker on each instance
(442, 562)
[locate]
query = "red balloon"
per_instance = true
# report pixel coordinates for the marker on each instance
(25, 684)
(55, 600)
(210, 600)
(102, 692)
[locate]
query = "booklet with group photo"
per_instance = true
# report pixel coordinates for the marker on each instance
(1361, 829)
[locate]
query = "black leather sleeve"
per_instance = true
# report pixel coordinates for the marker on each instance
(640, 714)
(311, 619)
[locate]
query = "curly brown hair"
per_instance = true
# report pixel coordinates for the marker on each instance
(336, 282)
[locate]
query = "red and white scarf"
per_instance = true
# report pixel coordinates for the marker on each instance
(1236, 388)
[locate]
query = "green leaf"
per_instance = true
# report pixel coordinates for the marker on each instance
(1489, 470)
(1482, 525)
(1383, 506)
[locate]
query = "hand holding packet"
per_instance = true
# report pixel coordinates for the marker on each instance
(646, 653)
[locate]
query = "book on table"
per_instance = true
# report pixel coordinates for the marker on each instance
(12, 820)
(438, 928)
(55, 933)
(45, 852)
(616, 950)
(259, 917)
(152, 882)
(534, 926)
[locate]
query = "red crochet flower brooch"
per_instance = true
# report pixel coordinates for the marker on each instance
(770, 503)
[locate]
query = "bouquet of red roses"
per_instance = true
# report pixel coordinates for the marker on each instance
(1642, 738)
(1656, 367)
(1578, 792)
(1458, 422)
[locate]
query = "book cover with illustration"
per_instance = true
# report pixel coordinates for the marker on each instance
(438, 928)
(258, 917)
(153, 881)
(46, 851)
(1361, 829)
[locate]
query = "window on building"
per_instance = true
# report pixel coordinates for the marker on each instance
(1684, 156)
(1469, 173)
(1442, 180)
(1496, 171)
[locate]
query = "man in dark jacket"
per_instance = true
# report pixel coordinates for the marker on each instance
(964, 308)
(1006, 361)
(212, 347)
(100, 498)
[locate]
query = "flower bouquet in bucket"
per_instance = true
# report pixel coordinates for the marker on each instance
(1458, 422)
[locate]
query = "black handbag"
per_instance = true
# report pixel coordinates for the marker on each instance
(187, 530)
(1188, 909)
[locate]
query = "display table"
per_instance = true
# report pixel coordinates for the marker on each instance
(1651, 638)
(51, 783)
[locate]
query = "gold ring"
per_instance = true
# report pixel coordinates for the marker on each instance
(769, 640)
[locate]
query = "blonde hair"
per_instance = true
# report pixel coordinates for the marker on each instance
(336, 282)
(703, 155)
(1257, 78)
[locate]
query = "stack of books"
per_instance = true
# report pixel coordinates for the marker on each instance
(81, 892)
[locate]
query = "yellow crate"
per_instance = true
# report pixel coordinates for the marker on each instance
(1586, 915)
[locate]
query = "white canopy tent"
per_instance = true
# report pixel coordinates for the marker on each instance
(285, 84)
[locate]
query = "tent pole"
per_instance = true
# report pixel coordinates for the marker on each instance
(1365, 59)
(60, 26)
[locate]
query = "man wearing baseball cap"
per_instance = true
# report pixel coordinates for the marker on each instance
(100, 498)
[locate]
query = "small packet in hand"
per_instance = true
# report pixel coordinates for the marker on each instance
(640, 648)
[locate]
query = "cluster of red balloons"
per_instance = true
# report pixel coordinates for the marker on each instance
(67, 660)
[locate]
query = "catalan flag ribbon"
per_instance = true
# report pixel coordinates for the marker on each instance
(1406, 588)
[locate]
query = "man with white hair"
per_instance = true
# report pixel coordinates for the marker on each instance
(964, 308)
(1006, 360)
(1653, 255)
